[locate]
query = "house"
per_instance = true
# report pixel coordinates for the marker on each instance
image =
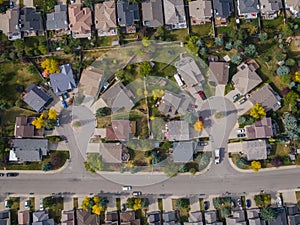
(154, 218)
(24, 217)
(293, 214)
(280, 217)
(120, 130)
(237, 218)
(68, 217)
(152, 13)
(246, 78)
(248, 9)
(222, 10)
(112, 152)
(293, 6)
(112, 217)
(105, 18)
(63, 81)
(57, 20)
(91, 80)
(28, 150)
(174, 14)
(85, 217)
(37, 98)
(118, 97)
(178, 130)
(128, 218)
(183, 151)
(31, 22)
(128, 16)
(169, 217)
(270, 8)
(41, 218)
(9, 24)
(211, 218)
(80, 19)
(200, 12)
(5, 217)
(267, 97)
(218, 72)
(190, 73)
(25, 129)
(195, 218)
(260, 129)
(253, 216)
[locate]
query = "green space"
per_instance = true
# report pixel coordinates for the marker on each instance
(223, 205)
(177, 35)
(75, 203)
(15, 206)
(262, 200)
(118, 204)
(183, 207)
(202, 30)
(54, 205)
(32, 204)
(160, 204)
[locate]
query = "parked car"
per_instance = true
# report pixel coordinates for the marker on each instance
(12, 174)
(235, 97)
(242, 100)
(57, 122)
(136, 193)
(202, 95)
(11, 4)
(233, 203)
(66, 95)
(27, 204)
(217, 156)
(241, 130)
(123, 209)
(63, 102)
(241, 135)
(206, 205)
(248, 203)
(279, 202)
(2, 174)
(202, 143)
(41, 204)
(7, 206)
(126, 188)
(239, 202)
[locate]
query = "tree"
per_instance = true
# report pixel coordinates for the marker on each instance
(290, 62)
(238, 44)
(46, 166)
(217, 202)
(236, 59)
(287, 30)
(19, 44)
(283, 70)
(250, 50)
(219, 41)
(292, 129)
(192, 44)
(257, 111)
(190, 118)
(241, 163)
(280, 56)
(228, 45)
(38, 122)
(291, 98)
(268, 214)
(97, 209)
(160, 33)
(52, 114)
(202, 51)
(130, 202)
(50, 124)
(171, 169)
(259, 200)
(50, 66)
(166, 145)
(89, 3)
(182, 203)
(198, 126)
(146, 42)
(86, 203)
(137, 204)
(263, 36)
(242, 34)
(145, 202)
(145, 69)
(157, 93)
(298, 205)
(296, 77)
(225, 212)
(256, 166)
(43, 49)
(31, 69)
(101, 112)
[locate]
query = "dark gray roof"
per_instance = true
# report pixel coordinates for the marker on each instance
(247, 6)
(44, 222)
(292, 209)
(152, 13)
(153, 217)
(280, 218)
(4, 214)
(183, 151)
(169, 216)
(294, 219)
(174, 12)
(223, 8)
(31, 20)
(127, 13)
(57, 20)
(37, 98)
(29, 150)
(63, 81)
(178, 130)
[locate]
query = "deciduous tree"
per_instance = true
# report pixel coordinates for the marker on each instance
(145, 69)
(256, 166)
(236, 59)
(38, 122)
(257, 111)
(283, 70)
(50, 66)
(198, 126)
(268, 214)
(86, 203)
(52, 114)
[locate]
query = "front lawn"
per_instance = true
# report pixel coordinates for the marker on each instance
(183, 206)
(14, 209)
(55, 206)
(177, 35)
(202, 30)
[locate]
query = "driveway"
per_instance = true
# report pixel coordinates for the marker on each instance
(289, 196)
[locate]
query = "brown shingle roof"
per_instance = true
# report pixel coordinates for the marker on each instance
(24, 217)
(111, 216)
(105, 16)
(90, 80)
(119, 130)
(80, 20)
(86, 218)
(260, 129)
(24, 128)
(127, 216)
(218, 72)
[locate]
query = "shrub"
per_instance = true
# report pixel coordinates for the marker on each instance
(193, 171)
(182, 203)
(283, 70)
(241, 163)
(276, 162)
(46, 166)
(268, 214)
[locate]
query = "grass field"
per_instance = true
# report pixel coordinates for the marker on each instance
(202, 30)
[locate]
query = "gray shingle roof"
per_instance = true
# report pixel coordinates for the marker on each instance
(174, 12)
(31, 20)
(247, 6)
(183, 151)
(200, 9)
(63, 81)
(37, 98)
(57, 20)
(223, 8)
(127, 13)
(219, 72)
(178, 130)
(152, 13)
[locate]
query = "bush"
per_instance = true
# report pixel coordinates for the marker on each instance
(290, 62)
(276, 162)
(193, 171)
(182, 203)
(46, 166)
(166, 145)
(241, 163)
(268, 214)
(102, 112)
(283, 70)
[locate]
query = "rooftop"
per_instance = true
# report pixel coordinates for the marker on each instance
(152, 13)
(219, 72)
(260, 129)
(178, 130)
(57, 20)
(183, 151)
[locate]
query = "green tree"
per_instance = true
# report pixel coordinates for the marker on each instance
(263, 36)
(190, 118)
(160, 33)
(225, 212)
(166, 145)
(290, 62)
(219, 41)
(287, 30)
(238, 44)
(46, 166)
(104, 111)
(267, 214)
(292, 129)
(145, 69)
(50, 124)
(291, 98)
(250, 50)
(259, 200)
(242, 34)
(228, 46)
(236, 59)
(298, 205)
(217, 202)
(89, 3)
(171, 169)
(192, 44)
(241, 163)
(202, 51)
(283, 70)
(130, 203)
(182, 203)
(19, 44)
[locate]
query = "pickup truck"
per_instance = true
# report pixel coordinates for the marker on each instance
(217, 156)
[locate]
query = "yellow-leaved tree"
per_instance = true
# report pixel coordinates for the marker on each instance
(85, 205)
(198, 126)
(257, 111)
(296, 77)
(50, 66)
(96, 200)
(38, 122)
(137, 204)
(97, 209)
(256, 166)
(52, 115)
(157, 93)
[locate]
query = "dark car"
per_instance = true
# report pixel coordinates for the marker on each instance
(12, 174)
(11, 4)
(123, 207)
(206, 205)
(233, 203)
(242, 100)
(241, 135)
(248, 203)
(2, 174)
(202, 95)
(236, 96)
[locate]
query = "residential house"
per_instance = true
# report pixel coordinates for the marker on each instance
(190, 73)
(183, 151)
(222, 10)
(121, 130)
(195, 218)
(260, 129)
(128, 16)
(57, 20)
(246, 78)
(31, 22)
(9, 24)
(28, 150)
(253, 216)
(128, 218)
(63, 81)
(24, 217)
(248, 9)
(267, 97)
(68, 217)
(41, 218)
(80, 19)
(152, 13)
(200, 12)
(105, 18)
(111, 218)
(169, 218)
(112, 152)
(85, 217)
(218, 72)
(154, 218)
(5, 217)
(118, 97)
(293, 6)
(25, 129)
(293, 214)
(178, 130)
(237, 218)
(37, 98)
(280, 217)
(174, 14)
(91, 80)
(211, 218)
(270, 8)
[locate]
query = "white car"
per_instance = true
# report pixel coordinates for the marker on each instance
(41, 204)
(279, 202)
(126, 188)
(217, 156)
(27, 204)
(241, 131)
(6, 204)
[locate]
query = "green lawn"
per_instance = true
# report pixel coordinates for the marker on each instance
(202, 30)
(183, 212)
(106, 41)
(177, 35)
(297, 195)
(160, 204)
(32, 204)
(55, 208)
(226, 29)
(118, 204)
(279, 150)
(14, 210)
(34, 41)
